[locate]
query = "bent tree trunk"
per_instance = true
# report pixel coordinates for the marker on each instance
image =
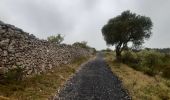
(119, 48)
(118, 55)
(118, 52)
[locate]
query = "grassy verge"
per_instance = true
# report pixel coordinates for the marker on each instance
(40, 87)
(140, 85)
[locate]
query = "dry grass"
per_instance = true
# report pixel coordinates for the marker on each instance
(40, 87)
(140, 86)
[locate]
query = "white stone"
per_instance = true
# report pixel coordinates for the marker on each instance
(5, 53)
(4, 42)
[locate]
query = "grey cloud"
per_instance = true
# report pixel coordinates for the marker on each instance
(82, 20)
(43, 18)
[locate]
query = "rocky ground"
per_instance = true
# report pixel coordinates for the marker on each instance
(19, 49)
(94, 81)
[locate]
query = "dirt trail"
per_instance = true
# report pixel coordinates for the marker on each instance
(94, 81)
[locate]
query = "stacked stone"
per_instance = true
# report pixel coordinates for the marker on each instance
(18, 48)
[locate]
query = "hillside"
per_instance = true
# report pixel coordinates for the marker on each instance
(140, 85)
(34, 56)
(31, 68)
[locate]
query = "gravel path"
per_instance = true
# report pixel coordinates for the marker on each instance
(94, 81)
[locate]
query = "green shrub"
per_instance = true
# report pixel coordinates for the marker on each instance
(128, 57)
(152, 59)
(166, 58)
(108, 50)
(166, 72)
(56, 39)
(13, 75)
(131, 59)
(82, 44)
(149, 71)
(150, 62)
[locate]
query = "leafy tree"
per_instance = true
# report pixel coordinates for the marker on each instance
(82, 44)
(125, 28)
(56, 39)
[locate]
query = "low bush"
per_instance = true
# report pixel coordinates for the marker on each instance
(39, 87)
(13, 75)
(132, 59)
(153, 61)
(150, 62)
(166, 72)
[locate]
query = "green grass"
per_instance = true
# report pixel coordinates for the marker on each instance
(140, 85)
(40, 87)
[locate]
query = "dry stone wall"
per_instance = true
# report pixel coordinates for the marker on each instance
(18, 48)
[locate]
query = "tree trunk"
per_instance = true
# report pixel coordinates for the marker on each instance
(118, 54)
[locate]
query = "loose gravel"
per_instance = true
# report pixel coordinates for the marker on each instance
(94, 81)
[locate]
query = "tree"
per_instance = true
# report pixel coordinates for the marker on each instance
(125, 28)
(56, 39)
(82, 44)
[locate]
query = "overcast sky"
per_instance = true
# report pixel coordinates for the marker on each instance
(82, 20)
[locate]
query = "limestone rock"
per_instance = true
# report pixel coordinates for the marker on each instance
(36, 56)
(5, 53)
(4, 42)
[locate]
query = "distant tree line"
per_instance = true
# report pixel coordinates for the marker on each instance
(161, 50)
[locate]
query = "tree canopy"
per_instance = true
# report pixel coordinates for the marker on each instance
(127, 27)
(82, 44)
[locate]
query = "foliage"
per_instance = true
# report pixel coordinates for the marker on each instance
(56, 39)
(82, 44)
(161, 50)
(106, 50)
(139, 85)
(150, 62)
(131, 59)
(93, 50)
(13, 75)
(166, 72)
(40, 87)
(127, 27)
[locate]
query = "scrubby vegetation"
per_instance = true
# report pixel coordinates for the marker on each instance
(106, 50)
(161, 50)
(13, 75)
(56, 39)
(141, 86)
(83, 44)
(150, 62)
(39, 87)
